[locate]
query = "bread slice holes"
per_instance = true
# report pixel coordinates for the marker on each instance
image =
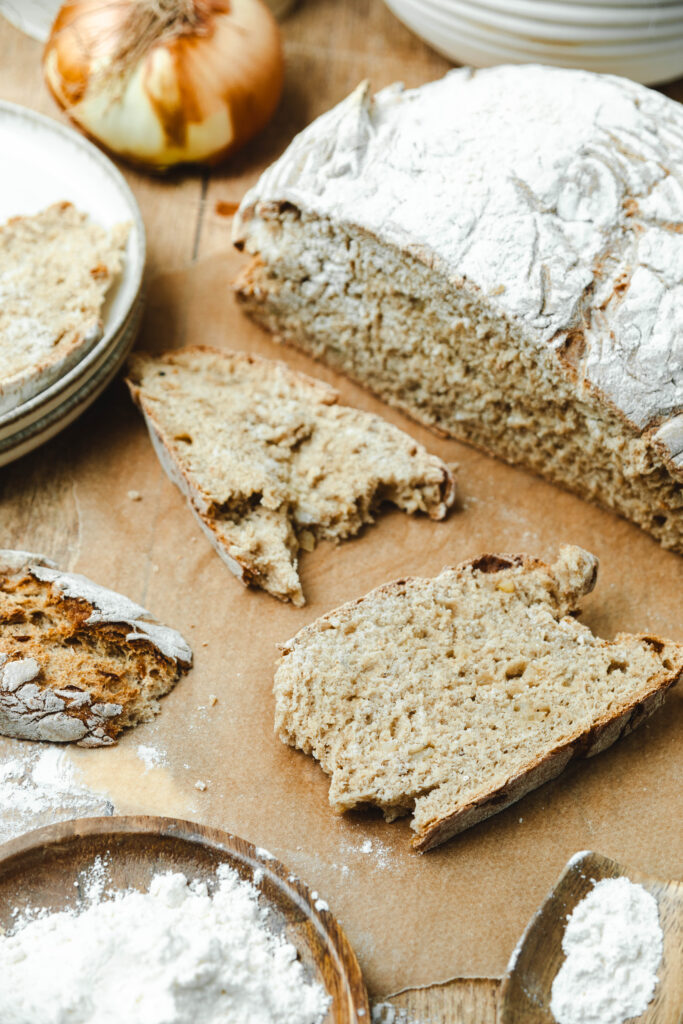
(185, 438)
(616, 666)
(515, 669)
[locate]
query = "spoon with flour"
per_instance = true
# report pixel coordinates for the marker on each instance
(606, 947)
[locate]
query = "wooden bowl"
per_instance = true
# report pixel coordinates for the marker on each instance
(41, 867)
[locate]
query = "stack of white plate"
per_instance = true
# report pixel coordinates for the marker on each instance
(640, 39)
(42, 163)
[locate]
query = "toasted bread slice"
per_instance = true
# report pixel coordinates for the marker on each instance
(450, 698)
(56, 269)
(271, 463)
(78, 663)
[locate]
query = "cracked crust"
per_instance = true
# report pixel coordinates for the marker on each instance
(78, 663)
(495, 272)
(451, 698)
(552, 192)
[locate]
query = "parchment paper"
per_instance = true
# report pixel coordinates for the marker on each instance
(412, 919)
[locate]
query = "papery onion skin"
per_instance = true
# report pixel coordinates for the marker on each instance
(191, 98)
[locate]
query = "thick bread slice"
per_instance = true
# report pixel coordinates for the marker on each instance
(499, 254)
(56, 268)
(78, 663)
(271, 463)
(450, 698)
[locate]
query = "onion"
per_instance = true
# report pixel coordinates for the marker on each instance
(163, 82)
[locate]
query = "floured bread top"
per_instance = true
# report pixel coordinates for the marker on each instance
(270, 461)
(78, 662)
(56, 268)
(553, 194)
(452, 697)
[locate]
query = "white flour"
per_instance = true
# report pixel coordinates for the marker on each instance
(613, 945)
(172, 955)
(38, 786)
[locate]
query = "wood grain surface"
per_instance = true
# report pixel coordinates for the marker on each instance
(187, 217)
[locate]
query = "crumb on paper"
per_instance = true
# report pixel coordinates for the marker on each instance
(134, 495)
(200, 785)
(213, 699)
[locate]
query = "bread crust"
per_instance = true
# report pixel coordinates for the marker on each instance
(203, 504)
(571, 577)
(78, 662)
(602, 735)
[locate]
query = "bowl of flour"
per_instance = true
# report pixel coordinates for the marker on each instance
(158, 921)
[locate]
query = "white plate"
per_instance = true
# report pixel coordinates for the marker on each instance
(465, 47)
(48, 404)
(453, 25)
(34, 17)
(43, 428)
(553, 27)
(43, 162)
(584, 15)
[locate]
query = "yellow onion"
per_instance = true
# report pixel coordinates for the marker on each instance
(163, 82)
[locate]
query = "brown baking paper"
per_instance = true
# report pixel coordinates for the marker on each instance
(412, 919)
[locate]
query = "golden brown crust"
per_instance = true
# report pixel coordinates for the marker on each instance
(602, 735)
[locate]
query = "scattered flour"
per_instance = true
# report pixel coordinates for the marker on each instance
(187, 957)
(39, 786)
(613, 946)
(151, 757)
(385, 1013)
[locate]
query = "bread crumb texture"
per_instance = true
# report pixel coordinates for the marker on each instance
(56, 268)
(78, 663)
(271, 463)
(450, 698)
(498, 253)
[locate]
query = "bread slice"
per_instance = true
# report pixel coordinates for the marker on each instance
(78, 663)
(498, 254)
(450, 698)
(56, 268)
(271, 463)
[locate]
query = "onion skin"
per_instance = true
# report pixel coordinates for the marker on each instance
(192, 97)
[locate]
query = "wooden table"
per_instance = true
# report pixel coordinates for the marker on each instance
(323, 65)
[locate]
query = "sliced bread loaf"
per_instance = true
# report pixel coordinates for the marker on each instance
(78, 663)
(450, 698)
(271, 463)
(499, 254)
(56, 268)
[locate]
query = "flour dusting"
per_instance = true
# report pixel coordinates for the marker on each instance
(151, 757)
(39, 786)
(189, 953)
(613, 945)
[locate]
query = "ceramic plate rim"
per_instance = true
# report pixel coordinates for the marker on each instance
(135, 253)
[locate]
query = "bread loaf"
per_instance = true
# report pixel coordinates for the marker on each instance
(451, 698)
(78, 663)
(271, 463)
(499, 254)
